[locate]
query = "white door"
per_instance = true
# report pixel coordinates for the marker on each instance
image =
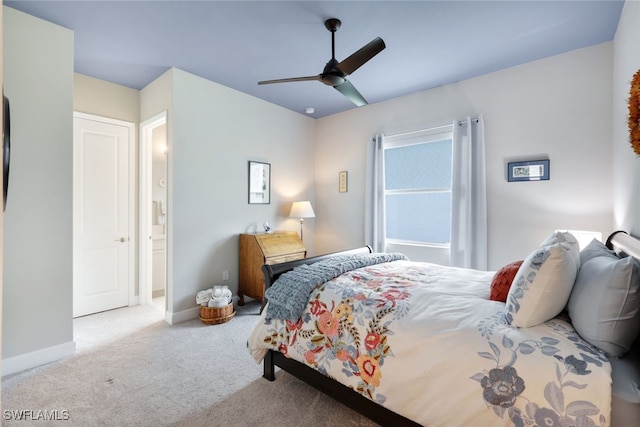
(102, 214)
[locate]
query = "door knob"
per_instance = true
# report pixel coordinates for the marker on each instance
(122, 239)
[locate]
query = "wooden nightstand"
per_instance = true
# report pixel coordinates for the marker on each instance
(262, 248)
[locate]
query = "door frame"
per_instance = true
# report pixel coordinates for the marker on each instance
(145, 202)
(133, 300)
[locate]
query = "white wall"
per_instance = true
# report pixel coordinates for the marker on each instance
(38, 79)
(626, 171)
(213, 132)
(106, 99)
(558, 107)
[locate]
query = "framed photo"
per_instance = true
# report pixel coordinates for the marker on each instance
(343, 178)
(259, 183)
(534, 170)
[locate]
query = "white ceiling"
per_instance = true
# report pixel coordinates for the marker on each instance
(238, 43)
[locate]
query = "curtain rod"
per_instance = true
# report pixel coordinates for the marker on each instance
(460, 123)
(473, 119)
(395, 135)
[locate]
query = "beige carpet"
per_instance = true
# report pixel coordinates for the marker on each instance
(132, 369)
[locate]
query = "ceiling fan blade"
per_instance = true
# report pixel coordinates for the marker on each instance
(292, 79)
(357, 59)
(348, 90)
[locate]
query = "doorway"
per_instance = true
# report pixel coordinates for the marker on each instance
(103, 221)
(153, 211)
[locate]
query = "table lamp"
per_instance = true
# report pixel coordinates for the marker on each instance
(302, 210)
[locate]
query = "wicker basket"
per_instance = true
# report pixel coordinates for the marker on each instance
(216, 315)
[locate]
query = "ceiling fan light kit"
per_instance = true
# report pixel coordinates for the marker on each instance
(335, 73)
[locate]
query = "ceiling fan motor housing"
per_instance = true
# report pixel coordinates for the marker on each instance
(332, 76)
(332, 79)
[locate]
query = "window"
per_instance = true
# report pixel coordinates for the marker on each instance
(417, 176)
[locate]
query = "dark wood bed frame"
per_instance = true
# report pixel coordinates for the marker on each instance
(619, 241)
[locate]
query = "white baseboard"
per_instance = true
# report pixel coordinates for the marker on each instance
(182, 316)
(36, 358)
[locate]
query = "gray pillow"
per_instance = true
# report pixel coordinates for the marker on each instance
(596, 248)
(604, 305)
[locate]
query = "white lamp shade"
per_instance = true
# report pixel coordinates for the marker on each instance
(302, 210)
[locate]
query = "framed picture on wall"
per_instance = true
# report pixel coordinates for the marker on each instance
(259, 183)
(343, 177)
(534, 170)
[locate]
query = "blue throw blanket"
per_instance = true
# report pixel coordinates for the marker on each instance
(289, 295)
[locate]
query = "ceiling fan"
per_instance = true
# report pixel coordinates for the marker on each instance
(335, 73)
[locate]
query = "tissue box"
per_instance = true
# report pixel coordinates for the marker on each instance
(216, 315)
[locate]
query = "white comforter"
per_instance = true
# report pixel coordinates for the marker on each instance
(426, 342)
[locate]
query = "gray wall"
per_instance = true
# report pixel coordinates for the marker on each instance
(38, 79)
(213, 131)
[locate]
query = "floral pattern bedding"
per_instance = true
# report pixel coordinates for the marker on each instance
(425, 341)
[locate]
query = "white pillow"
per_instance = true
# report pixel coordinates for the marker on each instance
(542, 286)
(564, 237)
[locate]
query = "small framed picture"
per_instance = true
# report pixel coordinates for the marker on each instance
(259, 183)
(343, 178)
(534, 170)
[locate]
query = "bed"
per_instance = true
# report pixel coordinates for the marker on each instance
(409, 343)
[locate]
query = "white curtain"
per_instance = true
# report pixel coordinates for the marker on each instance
(468, 196)
(375, 234)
